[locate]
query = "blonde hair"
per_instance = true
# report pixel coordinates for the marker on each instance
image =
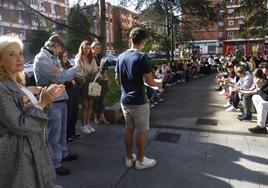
(6, 41)
(240, 70)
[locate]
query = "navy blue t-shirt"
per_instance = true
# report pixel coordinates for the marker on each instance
(131, 66)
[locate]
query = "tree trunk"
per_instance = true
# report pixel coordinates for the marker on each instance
(172, 38)
(167, 31)
(102, 14)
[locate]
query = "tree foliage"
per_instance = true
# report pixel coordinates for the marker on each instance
(256, 18)
(80, 21)
(163, 19)
(38, 40)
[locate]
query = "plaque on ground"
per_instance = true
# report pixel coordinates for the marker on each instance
(204, 121)
(167, 137)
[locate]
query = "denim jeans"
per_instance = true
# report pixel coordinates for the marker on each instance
(57, 120)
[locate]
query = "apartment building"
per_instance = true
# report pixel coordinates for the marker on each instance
(18, 18)
(219, 38)
(116, 18)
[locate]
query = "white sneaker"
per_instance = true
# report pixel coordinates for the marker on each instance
(231, 109)
(222, 92)
(85, 130)
(146, 163)
(227, 105)
(130, 162)
(90, 128)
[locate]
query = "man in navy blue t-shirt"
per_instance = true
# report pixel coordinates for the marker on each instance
(132, 70)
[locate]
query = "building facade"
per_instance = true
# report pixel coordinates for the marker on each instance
(18, 18)
(218, 38)
(117, 18)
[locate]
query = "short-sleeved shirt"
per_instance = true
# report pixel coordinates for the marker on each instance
(131, 66)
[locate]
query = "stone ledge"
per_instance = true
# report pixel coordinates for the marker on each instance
(113, 113)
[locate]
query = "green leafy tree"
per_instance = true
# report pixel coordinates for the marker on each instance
(38, 40)
(77, 19)
(256, 18)
(165, 18)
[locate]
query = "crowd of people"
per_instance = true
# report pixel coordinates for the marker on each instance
(37, 122)
(243, 82)
(178, 72)
(35, 117)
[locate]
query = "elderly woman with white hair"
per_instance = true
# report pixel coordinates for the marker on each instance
(24, 156)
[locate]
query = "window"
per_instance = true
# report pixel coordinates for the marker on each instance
(230, 33)
(221, 23)
(20, 18)
(230, 22)
(22, 34)
(53, 10)
(221, 14)
(34, 22)
(241, 21)
(212, 49)
(230, 11)
(221, 34)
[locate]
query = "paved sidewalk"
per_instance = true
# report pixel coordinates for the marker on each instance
(198, 160)
(204, 158)
(184, 103)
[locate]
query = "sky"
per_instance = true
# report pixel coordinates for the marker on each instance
(113, 2)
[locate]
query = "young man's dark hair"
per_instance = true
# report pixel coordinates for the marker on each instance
(263, 65)
(137, 35)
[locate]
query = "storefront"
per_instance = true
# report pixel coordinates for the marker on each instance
(249, 47)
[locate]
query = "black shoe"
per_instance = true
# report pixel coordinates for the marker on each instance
(242, 118)
(77, 136)
(240, 115)
(159, 99)
(258, 130)
(62, 171)
(71, 141)
(70, 157)
(218, 89)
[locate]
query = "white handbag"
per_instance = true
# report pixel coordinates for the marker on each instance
(94, 89)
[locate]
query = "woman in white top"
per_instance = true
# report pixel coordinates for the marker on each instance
(85, 60)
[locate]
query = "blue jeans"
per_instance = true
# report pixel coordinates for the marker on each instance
(57, 120)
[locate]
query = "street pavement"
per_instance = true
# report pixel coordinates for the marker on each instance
(204, 156)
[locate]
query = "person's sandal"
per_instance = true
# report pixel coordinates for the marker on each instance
(96, 121)
(106, 122)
